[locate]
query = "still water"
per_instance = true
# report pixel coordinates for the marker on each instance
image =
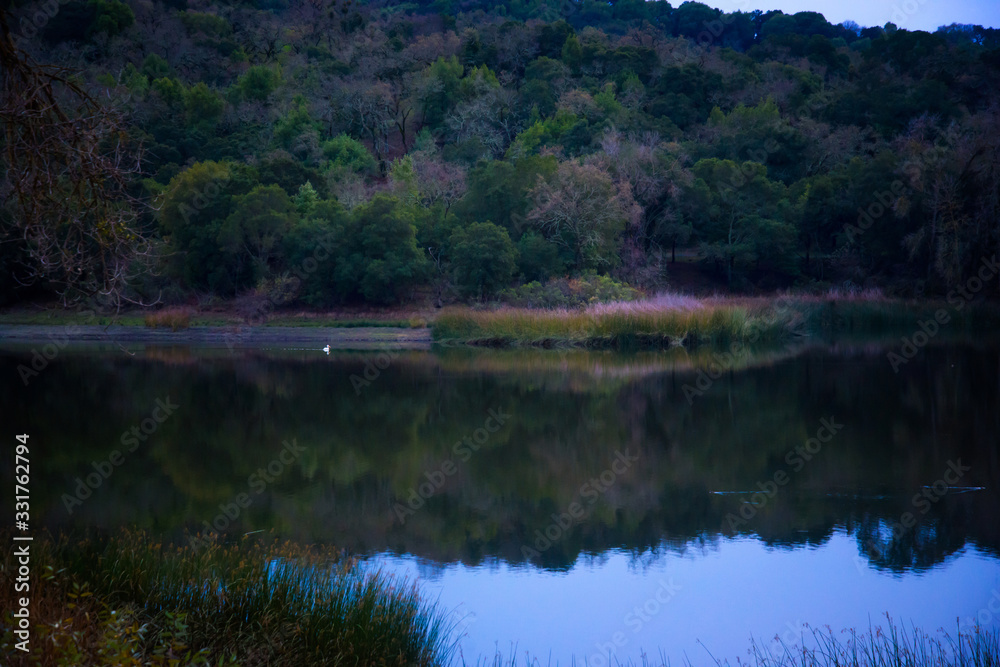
(560, 504)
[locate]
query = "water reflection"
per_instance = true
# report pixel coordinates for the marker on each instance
(705, 598)
(408, 461)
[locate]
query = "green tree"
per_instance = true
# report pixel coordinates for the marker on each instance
(822, 205)
(690, 18)
(202, 106)
(290, 128)
(381, 262)
(111, 17)
(155, 67)
(306, 200)
(546, 133)
(257, 83)
(500, 191)
(538, 258)
(346, 153)
(281, 168)
(312, 249)
(672, 230)
(197, 201)
(439, 90)
(572, 54)
(483, 259)
(757, 133)
(740, 216)
(252, 232)
(169, 89)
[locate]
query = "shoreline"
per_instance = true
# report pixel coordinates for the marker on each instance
(214, 336)
(659, 323)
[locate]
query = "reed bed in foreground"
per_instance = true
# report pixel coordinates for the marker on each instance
(890, 646)
(680, 320)
(245, 604)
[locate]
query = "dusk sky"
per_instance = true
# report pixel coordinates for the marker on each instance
(909, 14)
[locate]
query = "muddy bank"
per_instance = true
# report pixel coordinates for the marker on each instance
(230, 337)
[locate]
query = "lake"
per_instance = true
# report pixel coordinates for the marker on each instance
(562, 504)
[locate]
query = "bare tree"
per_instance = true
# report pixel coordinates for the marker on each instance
(259, 33)
(66, 170)
(373, 114)
(638, 164)
(490, 117)
(582, 208)
(438, 182)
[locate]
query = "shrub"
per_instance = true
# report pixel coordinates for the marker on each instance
(569, 293)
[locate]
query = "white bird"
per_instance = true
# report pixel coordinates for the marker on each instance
(327, 349)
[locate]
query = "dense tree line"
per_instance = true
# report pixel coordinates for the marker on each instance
(333, 151)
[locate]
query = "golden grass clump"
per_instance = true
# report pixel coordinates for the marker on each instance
(658, 322)
(671, 319)
(175, 318)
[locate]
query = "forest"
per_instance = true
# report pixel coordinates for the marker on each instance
(332, 152)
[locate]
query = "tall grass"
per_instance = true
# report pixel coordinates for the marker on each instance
(892, 646)
(889, 646)
(253, 604)
(680, 320)
(654, 323)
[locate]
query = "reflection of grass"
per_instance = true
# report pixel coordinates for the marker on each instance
(580, 368)
(128, 600)
(674, 320)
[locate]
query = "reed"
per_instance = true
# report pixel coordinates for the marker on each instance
(243, 604)
(654, 323)
(680, 320)
(890, 646)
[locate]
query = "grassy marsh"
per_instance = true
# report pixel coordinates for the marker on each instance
(669, 320)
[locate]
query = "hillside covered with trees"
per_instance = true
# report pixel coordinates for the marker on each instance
(327, 152)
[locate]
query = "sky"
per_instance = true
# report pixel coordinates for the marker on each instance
(909, 14)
